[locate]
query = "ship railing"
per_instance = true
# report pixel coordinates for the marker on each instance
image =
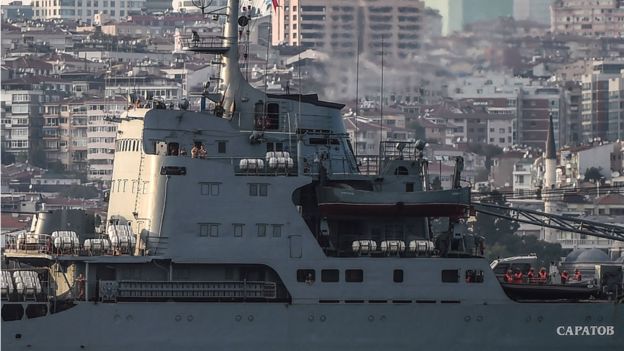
(187, 290)
(28, 243)
(204, 43)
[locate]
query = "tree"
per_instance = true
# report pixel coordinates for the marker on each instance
(436, 184)
(486, 150)
(7, 158)
(501, 238)
(419, 131)
(37, 156)
(592, 174)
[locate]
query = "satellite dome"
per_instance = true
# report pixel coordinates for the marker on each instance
(572, 256)
(592, 255)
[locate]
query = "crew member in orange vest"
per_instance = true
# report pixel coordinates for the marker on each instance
(531, 275)
(508, 276)
(518, 277)
(564, 277)
(542, 275)
(577, 275)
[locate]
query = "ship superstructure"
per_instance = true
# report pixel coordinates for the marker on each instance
(254, 226)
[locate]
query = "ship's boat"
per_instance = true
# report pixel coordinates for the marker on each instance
(272, 234)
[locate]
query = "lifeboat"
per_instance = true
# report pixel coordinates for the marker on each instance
(340, 201)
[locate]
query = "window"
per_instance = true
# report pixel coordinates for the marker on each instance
(272, 116)
(306, 275)
(209, 229)
(258, 189)
(221, 147)
(474, 276)
(238, 229)
(409, 187)
(277, 230)
(397, 276)
(354, 275)
(450, 276)
(330, 275)
(262, 229)
(210, 189)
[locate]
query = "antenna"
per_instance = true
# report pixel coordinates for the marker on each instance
(357, 94)
(381, 92)
(202, 5)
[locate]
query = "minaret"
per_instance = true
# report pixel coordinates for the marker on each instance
(550, 179)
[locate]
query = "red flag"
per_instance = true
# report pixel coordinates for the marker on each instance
(275, 5)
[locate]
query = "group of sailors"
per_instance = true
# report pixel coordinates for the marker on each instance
(198, 150)
(541, 277)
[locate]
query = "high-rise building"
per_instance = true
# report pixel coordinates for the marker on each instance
(616, 108)
(458, 13)
(22, 114)
(79, 135)
(532, 10)
(537, 104)
(84, 10)
(604, 18)
(595, 102)
(570, 131)
(339, 27)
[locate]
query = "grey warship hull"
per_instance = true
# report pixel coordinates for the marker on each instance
(276, 238)
(261, 326)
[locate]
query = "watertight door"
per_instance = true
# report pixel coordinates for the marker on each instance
(295, 246)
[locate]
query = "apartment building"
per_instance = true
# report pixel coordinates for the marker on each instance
(616, 108)
(340, 26)
(596, 98)
(79, 134)
(84, 10)
(22, 113)
(536, 105)
(600, 18)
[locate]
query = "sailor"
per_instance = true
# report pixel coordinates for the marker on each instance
(195, 38)
(564, 277)
(542, 275)
(194, 151)
(81, 286)
(531, 275)
(518, 277)
(202, 151)
(577, 275)
(508, 278)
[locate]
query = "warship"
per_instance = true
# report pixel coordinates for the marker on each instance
(253, 226)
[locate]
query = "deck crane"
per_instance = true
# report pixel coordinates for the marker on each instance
(559, 222)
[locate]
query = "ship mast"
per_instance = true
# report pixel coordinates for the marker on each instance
(232, 77)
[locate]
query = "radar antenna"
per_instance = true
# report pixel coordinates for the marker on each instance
(202, 5)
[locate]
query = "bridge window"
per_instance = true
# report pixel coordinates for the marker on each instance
(238, 229)
(306, 275)
(397, 276)
(210, 189)
(277, 230)
(221, 147)
(409, 187)
(173, 149)
(258, 189)
(354, 275)
(262, 229)
(474, 276)
(330, 275)
(450, 276)
(401, 171)
(209, 229)
(272, 116)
